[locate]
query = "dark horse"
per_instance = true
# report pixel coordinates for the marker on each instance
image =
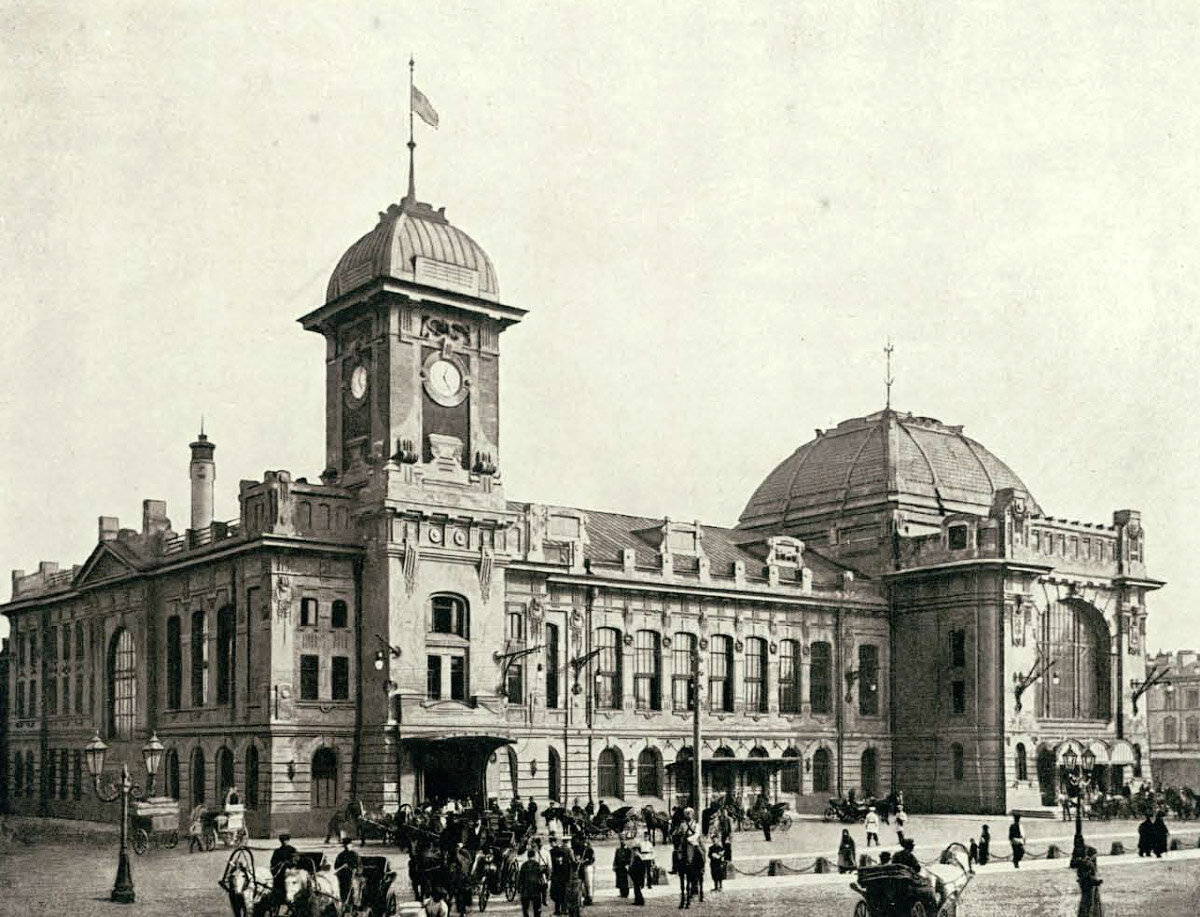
(345, 819)
(687, 860)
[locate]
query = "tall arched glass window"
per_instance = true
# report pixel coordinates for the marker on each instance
(870, 773)
(683, 695)
(608, 668)
(820, 679)
(226, 658)
(868, 679)
(199, 659)
(122, 685)
(197, 775)
(324, 790)
(610, 778)
(1022, 762)
(1170, 733)
(720, 673)
(554, 776)
(251, 794)
(789, 774)
(756, 675)
(224, 772)
(1076, 637)
(789, 676)
(649, 772)
(174, 663)
(820, 770)
(170, 768)
(647, 672)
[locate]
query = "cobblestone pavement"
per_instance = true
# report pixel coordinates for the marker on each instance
(57, 877)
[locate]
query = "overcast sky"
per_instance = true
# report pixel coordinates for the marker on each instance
(715, 213)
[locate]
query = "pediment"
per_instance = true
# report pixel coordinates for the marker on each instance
(104, 564)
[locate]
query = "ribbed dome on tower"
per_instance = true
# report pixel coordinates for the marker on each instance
(885, 457)
(416, 243)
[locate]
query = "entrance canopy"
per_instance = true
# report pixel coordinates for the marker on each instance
(467, 742)
(1122, 753)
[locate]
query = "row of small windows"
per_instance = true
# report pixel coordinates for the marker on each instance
(1087, 549)
(310, 677)
(63, 772)
(1171, 699)
(1170, 730)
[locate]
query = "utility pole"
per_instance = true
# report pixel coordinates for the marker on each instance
(696, 760)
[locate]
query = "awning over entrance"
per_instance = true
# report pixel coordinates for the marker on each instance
(1121, 753)
(465, 741)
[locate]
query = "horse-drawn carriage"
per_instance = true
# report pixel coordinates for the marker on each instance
(895, 890)
(846, 810)
(774, 815)
(227, 825)
(155, 823)
(309, 888)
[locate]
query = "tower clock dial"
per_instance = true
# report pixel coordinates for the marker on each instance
(444, 379)
(358, 382)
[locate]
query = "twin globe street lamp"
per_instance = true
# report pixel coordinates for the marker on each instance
(95, 751)
(1081, 766)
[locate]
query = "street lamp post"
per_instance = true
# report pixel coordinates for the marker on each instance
(697, 763)
(1082, 766)
(95, 751)
(383, 659)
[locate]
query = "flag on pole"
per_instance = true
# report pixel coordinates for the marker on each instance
(422, 107)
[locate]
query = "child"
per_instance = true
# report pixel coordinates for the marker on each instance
(901, 817)
(716, 864)
(972, 855)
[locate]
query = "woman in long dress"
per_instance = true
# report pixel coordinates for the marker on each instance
(847, 857)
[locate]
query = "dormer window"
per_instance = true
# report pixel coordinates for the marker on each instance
(957, 536)
(564, 528)
(683, 542)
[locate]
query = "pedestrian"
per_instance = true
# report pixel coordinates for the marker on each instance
(901, 818)
(621, 862)
(562, 865)
(847, 857)
(435, 905)
(640, 867)
(1016, 837)
(906, 857)
(716, 863)
(871, 823)
(1161, 835)
(985, 845)
(1146, 837)
(1089, 885)
(763, 808)
(530, 882)
(347, 864)
(972, 856)
(282, 859)
(585, 856)
(196, 828)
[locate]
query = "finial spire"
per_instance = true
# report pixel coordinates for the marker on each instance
(888, 378)
(411, 197)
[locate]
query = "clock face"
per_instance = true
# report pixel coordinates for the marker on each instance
(445, 380)
(358, 382)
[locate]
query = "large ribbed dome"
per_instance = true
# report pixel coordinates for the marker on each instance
(884, 457)
(416, 243)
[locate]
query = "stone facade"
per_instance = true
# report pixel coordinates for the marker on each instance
(403, 630)
(1173, 718)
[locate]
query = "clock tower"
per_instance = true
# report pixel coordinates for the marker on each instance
(412, 324)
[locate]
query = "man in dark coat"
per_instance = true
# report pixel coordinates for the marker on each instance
(345, 866)
(1146, 837)
(985, 845)
(562, 864)
(622, 860)
(531, 882)
(461, 878)
(282, 859)
(1016, 838)
(639, 868)
(1160, 835)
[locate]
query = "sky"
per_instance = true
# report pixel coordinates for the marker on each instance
(716, 214)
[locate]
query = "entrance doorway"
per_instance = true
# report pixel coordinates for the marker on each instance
(456, 768)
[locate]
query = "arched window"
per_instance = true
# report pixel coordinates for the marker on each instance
(197, 776)
(608, 669)
(30, 778)
(174, 663)
(724, 776)
(199, 659)
(552, 673)
(1192, 729)
(122, 685)
(870, 772)
(449, 615)
(171, 774)
(77, 776)
(820, 770)
(224, 772)
(868, 679)
(759, 775)
(683, 695)
(554, 776)
(956, 758)
(324, 793)
(514, 776)
(789, 775)
(720, 674)
(18, 774)
(756, 675)
(226, 659)
(1169, 731)
(649, 772)
(647, 671)
(820, 679)
(1022, 762)
(789, 676)
(1076, 637)
(340, 616)
(610, 779)
(251, 794)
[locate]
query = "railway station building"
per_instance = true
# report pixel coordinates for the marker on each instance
(892, 609)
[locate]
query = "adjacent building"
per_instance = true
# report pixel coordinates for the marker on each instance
(400, 629)
(1173, 707)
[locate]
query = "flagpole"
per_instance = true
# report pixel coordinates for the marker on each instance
(412, 145)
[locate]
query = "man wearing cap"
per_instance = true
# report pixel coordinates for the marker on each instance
(871, 823)
(906, 857)
(531, 884)
(283, 858)
(640, 868)
(346, 866)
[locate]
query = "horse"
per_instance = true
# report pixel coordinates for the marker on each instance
(687, 860)
(656, 821)
(349, 817)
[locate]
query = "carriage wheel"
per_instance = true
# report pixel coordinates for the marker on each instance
(483, 896)
(861, 910)
(510, 886)
(829, 815)
(210, 840)
(141, 841)
(785, 822)
(172, 840)
(391, 906)
(917, 909)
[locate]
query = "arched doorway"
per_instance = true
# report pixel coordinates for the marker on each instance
(759, 775)
(324, 789)
(554, 777)
(649, 772)
(1046, 774)
(870, 773)
(197, 777)
(609, 777)
(820, 771)
(723, 774)
(224, 772)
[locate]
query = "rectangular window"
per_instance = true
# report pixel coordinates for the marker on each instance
(79, 679)
(66, 635)
(789, 676)
(340, 616)
(433, 678)
(820, 688)
(958, 648)
(458, 678)
(64, 773)
(255, 604)
(52, 695)
(756, 675)
(564, 527)
(682, 543)
(514, 683)
(868, 680)
(52, 645)
(1193, 698)
(608, 668)
(66, 694)
(958, 697)
(683, 693)
(339, 678)
(33, 704)
(174, 664)
(226, 631)
(515, 629)
(199, 659)
(958, 537)
(310, 677)
(308, 612)
(647, 678)
(20, 651)
(552, 666)
(720, 674)
(20, 700)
